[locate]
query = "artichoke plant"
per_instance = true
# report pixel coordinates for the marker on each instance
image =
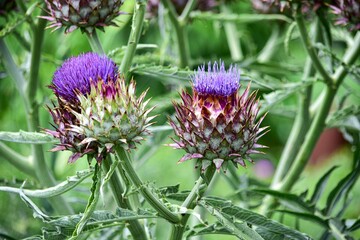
(216, 125)
(96, 111)
(84, 14)
(348, 12)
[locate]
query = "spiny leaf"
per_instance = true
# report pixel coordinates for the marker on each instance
(341, 118)
(27, 137)
(292, 201)
(320, 186)
(59, 189)
(238, 18)
(226, 208)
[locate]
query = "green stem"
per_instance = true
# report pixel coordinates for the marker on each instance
(302, 120)
(270, 47)
(310, 48)
(43, 173)
(136, 30)
(95, 42)
(20, 162)
(180, 30)
(190, 5)
(137, 231)
(196, 193)
(148, 195)
(232, 36)
(14, 72)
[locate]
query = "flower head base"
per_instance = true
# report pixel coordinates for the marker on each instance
(85, 14)
(215, 125)
(76, 74)
(95, 111)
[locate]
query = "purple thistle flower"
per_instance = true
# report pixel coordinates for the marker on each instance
(76, 74)
(216, 81)
(348, 12)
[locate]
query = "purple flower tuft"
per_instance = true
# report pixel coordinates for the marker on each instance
(76, 74)
(216, 81)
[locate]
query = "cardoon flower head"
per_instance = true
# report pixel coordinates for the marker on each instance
(348, 12)
(270, 6)
(215, 124)
(84, 14)
(95, 111)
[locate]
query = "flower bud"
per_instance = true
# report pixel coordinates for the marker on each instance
(216, 125)
(85, 14)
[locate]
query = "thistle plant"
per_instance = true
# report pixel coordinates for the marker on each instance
(301, 73)
(215, 124)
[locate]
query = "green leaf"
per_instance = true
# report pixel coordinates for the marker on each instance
(355, 226)
(92, 201)
(289, 200)
(239, 229)
(343, 118)
(169, 74)
(27, 137)
(169, 189)
(341, 189)
(288, 35)
(230, 211)
(275, 97)
(181, 196)
(59, 189)
(307, 216)
(202, 229)
(320, 186)
(237, 18)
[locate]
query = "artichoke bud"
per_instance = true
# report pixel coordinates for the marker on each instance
(85, 14)
(215, 124)
(111, 115)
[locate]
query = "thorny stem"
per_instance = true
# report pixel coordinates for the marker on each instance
(136, 30)
(179, 24)
(95, 42)
(148, 195)
(137, 231)
(196, 193)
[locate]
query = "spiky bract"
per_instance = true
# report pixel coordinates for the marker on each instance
(348, 12)
(84, 14)
(215, 124)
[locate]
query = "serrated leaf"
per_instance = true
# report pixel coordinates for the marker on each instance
(169, 189)
(59, 189)
(27, 137)
(11, 25)
(237, 18)
(239, 229)
(307, 216)
(292, 201)
(226, 208)
(181, 196)
(320, 186)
